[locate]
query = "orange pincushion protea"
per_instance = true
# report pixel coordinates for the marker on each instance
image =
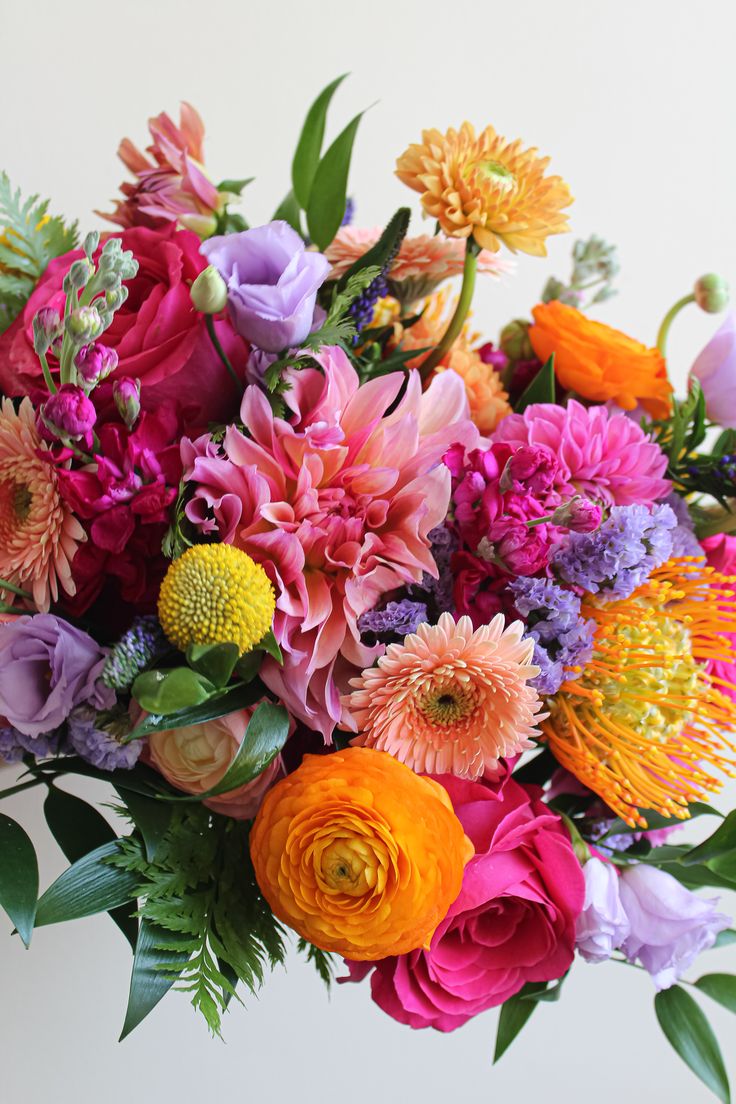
(358, 854)
(486, 187)
(600, 363)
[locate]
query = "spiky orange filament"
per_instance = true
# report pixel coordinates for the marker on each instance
(645, 720)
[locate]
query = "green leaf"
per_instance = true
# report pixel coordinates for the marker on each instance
(172, 690)
(541, 389)
(552, 994)
(719, 987)
(235, 187)
(157, 964)
(322, 961)
(328, 195)
(719, 850)
(697, 428)
(514, 1014)
(690, 1034)
(619, 827)
(290, 211)
(725, 444)
(89, 886)
(227, 701)
(78, 827)
(270, 645)
(18, 877)
(385, 248)
(725, 938)
(215, 661)
(152, 818)
(309, 146)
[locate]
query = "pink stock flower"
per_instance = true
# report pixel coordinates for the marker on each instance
(604, 456)
(720, 552)
(171, 185)
(337, 504)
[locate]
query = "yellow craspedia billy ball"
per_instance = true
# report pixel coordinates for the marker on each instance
(216, 594)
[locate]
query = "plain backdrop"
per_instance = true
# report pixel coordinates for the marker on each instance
(634, 102)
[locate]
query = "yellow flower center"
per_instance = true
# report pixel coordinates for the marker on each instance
(347, 866)
(447, 704)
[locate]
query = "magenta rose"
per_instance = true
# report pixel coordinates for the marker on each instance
(514, 920)
(159, 338)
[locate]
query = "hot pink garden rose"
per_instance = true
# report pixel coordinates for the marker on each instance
(513, 922)
(336, 501)
(159, 338)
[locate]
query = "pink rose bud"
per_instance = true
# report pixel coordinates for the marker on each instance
(531, 470)
(94, 363)
(127, 395)
(69, 413)
(579, 514)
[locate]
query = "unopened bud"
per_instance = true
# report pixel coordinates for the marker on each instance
(127, 395)
(84, 325)
(209, 291)
(515, 340)
(69, 413)
(46, 329)
(94, 363)
(711, 293)
(79, 274)
(91, 242)
(580, 515)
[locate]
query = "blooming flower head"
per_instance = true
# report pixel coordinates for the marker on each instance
(598, 362)
(39, 534)
(644, 720)
(605, 457)
(602, 925)
(358, 854)
(450, 700)
(487, 187)
(171, 184)
(99, 738)
(715, 369)
(337, 503)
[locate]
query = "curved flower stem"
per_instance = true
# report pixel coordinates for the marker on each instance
(455, 326)
(5, 585)
(669, 318)
(220, 351)
(48, 378)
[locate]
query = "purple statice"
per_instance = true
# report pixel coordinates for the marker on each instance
(133, 652)
(394, 619)
(563, 637)
(443, 544)
(347, 218)
(621, 555)
(14, 744)
(684, 541)
(96, 738)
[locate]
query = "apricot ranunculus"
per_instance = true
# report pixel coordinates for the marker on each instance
(600, 363)
(358, 854)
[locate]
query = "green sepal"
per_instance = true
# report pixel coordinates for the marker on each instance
(215, 661)
(328, 195)
(309, 146)
(18, 877)
(89, 886)
(541, 389)
(689, 1033)
(172, 690)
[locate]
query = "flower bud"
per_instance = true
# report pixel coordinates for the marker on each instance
(94, 363)
(84, 325)
(530, 470)
(515, 340)
(90, 243)
(579, 515)
(209, 291)
(46, 329)
(711, 293)
(69, 413)
(79, 274)
(127, 395)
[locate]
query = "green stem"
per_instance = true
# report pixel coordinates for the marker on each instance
(455, 326)
(669, 318)
(21, 786)
(724, 523)
(48, 378)
(5, 585)
(220, 351)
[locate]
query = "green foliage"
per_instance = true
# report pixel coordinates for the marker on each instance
(329, 191)
(719, 851)
(595, 266)
(322, 961)
(719, 987)
(691, 1036)
(215, 661)
(309, 146)
(541, 389)
(18, 877)
(29, 240)
(178, 536)
(88, 886)
(201, 887)
(382, 254)
(681, 435)
(236, 696)
(514, 1014)
(172, 690)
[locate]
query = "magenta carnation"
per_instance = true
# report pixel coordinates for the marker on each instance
(337, 503)
(602, 455)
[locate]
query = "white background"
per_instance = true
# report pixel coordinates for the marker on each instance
(634, 101)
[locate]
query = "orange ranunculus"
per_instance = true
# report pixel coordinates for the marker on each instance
(598, 362)
(358, 854)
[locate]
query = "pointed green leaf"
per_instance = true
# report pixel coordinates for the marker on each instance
(227, 701)
(618, 827)
(721, 988)
(552, 994)
(309, 146)
(215, 661)
(725, 938)
(152, 818)
(326, 208)
(386, 247)
(541, 389)
(156, 966)
(78, 827)
(270, 645)
(514, 1014)
(290, 211)
(719, 849)
(18, 877)
(89, 886)
(690, 1034)
(235, 187)
(171, 691)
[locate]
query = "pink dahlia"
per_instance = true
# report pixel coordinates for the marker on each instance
(602, 455)
(450, 700)
(38, 532)
(337, 503)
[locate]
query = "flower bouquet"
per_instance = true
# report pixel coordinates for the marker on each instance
(418, 646)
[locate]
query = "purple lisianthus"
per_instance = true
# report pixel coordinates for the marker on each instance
(603, 924)
(715, 368)
(670, 926)
(272, 283)
(97, 738)
(46, 668)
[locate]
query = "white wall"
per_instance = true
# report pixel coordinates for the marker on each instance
(635, 103)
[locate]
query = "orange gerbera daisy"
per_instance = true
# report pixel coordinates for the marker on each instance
(645, 719)
(487, 187)
(600, 363)
(450, 700)
(38, 534)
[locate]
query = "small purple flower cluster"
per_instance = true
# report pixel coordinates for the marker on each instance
(564, 639)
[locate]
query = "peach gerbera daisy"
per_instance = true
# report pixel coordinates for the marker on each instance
(487, 399)
(38, 534)
(450, 700)
(486, 187)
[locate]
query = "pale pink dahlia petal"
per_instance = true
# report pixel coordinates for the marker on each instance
(450, 699)
(432, 258)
